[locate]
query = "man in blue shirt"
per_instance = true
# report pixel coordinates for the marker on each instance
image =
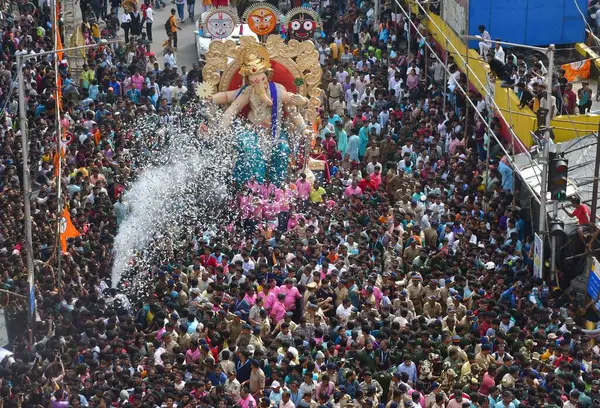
(409, 368)
(350, 385)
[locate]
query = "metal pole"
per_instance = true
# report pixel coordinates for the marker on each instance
(66, 50)
(466, 134)
(596, 174)
(408, 26)
(553, 245)
(26, 190)
(58, 151)
(594, 210)
(512, 135)
(533, 193)
(546, 150)
(488, 146)
(545, 155)
(377, 8)
(477, 38)
(444, 86)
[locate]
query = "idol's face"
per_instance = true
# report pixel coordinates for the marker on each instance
(302, 27)
(262, 21)
(220, 25)
(257, 79)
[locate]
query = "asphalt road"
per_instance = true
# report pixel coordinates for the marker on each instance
(186, 50)
(186, 47)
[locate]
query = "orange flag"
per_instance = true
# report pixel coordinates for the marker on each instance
(59, 93)
(59, 45)
(56, 161)
(67, 229)
(576, 71)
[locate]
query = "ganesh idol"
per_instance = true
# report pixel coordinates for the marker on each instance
(275, 124)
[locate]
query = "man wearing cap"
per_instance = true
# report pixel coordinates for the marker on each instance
(484, 359)
(287, 319)
(415, 292)
(369, 382)
(276, 394)
(396, 304)
(432, 309)
(432, 290)
(435, 395)
(508, 380)
(459, 307)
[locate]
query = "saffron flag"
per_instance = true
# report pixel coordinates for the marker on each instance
(67, 229)
(58, 44)
(59, 92)
(576, 71)
(61, 150)
(56, 162)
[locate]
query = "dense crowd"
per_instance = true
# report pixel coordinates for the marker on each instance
(401, 277)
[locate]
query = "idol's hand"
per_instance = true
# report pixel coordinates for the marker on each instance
(298, 100)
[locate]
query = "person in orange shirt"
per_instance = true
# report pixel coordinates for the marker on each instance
(172, 27)
(96, 134)
(332, 256)
(336, 53)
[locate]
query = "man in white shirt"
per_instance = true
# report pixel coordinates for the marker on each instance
(344, 310)
(499, 52)
(350, 92)
(394, 80)
(149, 20)
(167, 93)
(552, 101)
(407, 148)
(366, 95)
(536, 60)
(178, 91)
(486, 43)
(353, 105)
(375, 125)
(360, 82)
(438, 70)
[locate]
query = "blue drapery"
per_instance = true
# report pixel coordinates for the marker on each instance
(251, 161)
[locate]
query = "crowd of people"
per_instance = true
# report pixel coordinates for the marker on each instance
(529, 81)
(400, 275)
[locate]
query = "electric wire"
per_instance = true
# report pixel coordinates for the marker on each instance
(470, 101)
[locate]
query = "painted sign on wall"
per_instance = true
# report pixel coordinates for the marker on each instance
(454, 13)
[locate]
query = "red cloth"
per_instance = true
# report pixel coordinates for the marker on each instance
(583, 214)
(364, 185)
(331, 148)
(208, 261)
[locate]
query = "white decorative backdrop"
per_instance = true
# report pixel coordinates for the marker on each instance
(454, 13)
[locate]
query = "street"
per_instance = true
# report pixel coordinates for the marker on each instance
(186, 50)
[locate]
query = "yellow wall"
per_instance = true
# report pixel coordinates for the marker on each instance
(587, 52)
(523, 121)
